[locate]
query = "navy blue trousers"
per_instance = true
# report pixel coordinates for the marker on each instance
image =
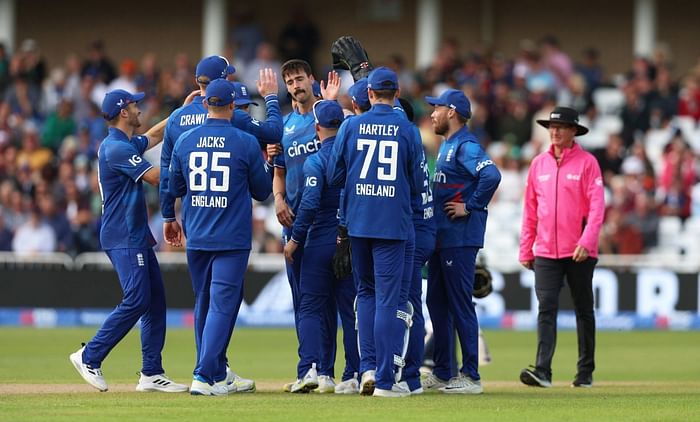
(143, 297)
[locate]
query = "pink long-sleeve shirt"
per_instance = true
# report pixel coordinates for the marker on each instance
(564, 205)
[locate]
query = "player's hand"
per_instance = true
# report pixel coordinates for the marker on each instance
(580, 254)
(267, 82)
(284, 214)
(528, 264)
(273, 150)
(191, 96)
(172, 233)
(289, 250)
(455, 210)
(342, 259)
(330, 89)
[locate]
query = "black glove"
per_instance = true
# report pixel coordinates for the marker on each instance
(482, 282)
(349, 54)
(342, 259)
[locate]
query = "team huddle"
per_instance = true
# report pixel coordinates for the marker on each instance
(361, 217)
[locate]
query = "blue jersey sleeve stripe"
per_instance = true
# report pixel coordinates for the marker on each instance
(142, 173)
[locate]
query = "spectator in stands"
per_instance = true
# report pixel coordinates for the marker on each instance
(610, 158)
(299, 38)
(678, 175)
(645, 219)
(689, 98)
(23, 98)
(34, 236)
(98, 65)
(32, 154)
(591, 69)
(5, 235)
(58, 125)
(618, 236)
(148, 77)
(4, 69)
(635, 115)
(57, 220)
(29, 64)
(127, 77)
(556, 60)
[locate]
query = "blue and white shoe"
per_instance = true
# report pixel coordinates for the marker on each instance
(92, 376)
(200, 387)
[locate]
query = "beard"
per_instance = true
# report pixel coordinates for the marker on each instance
(440, 128)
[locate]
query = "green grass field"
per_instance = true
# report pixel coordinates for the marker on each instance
(640, 376)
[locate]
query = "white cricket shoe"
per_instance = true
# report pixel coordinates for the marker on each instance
(326, 384)
(308, 383)
(431, 383)
(159, 382)
(238, 384)
(349, 386)
(462, 384)
(397, 390)
(369, 380)
(200, 387)
(92, 376)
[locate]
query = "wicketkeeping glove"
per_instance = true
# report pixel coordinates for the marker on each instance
(349, 54)
(482, 282)
(342, 259)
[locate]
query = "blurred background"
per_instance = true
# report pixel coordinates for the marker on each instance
(630, 67)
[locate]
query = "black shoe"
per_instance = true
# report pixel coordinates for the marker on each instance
(535, 377)
(584, 381)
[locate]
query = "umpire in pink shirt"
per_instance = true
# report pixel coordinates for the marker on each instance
(562, 216)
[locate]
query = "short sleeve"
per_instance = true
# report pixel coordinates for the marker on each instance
(141, 143)
(126, 159)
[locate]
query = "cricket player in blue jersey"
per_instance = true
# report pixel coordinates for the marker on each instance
(374, 158)
(128, 242)
(298, 143)
(217, 169)
(315, 228)
(192, 115)
(464, 182)
(424, 245)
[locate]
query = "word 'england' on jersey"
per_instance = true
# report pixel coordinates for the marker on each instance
(368, 189)
(209, 201)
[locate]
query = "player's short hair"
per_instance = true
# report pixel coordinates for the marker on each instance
(363, 108)
(384, 94)
(114, 120)
(461, 119)
(203, 80)
(217, 109)
(295, 66)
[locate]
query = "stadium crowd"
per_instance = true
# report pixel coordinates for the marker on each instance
(643, 131)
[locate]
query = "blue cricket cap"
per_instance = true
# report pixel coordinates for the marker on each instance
(382, 78)
(358, 93)
(454, 99)
(213, 67)
(242, 95)
(220, 92)
(328, 114)
(117, 100)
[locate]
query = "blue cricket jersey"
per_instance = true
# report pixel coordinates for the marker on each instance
(218, 168)
(463, 173)
(422, 203)
(119, 172)
(374, 158)
(298, 143)
(317, 218)
(193, 115)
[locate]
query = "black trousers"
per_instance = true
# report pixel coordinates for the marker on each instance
(549, 279)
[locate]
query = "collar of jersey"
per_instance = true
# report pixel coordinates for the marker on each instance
(117, 134)
(210, 121)
(383, 107)
(461, 134)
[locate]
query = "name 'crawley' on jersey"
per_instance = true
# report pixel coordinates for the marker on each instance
(218, 169)
(120, 168)
(374, 154)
